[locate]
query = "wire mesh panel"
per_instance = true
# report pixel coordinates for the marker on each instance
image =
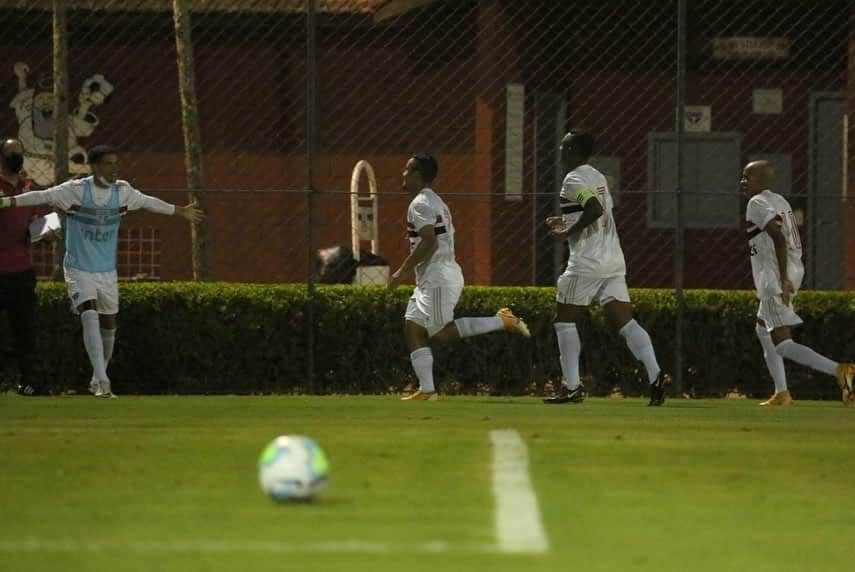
(765, 81)
(249, 68)
(489, 87)
(291, 95)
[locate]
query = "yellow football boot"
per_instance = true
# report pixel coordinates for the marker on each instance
(421, 396)
(512, 323)
(845, 376)
(780, 398)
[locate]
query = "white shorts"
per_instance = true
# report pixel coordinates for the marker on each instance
(433, 307)
(102, 287)
(582, 290)
(775, 315)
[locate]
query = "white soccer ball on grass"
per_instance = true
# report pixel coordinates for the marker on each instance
(293, 467)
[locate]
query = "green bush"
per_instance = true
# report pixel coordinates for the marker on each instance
(240, 338)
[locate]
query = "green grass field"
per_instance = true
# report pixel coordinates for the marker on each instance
(169, 483)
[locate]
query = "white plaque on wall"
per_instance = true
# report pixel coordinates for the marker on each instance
(768, 101)
(514, 134)
(750, 48)
(697, 118)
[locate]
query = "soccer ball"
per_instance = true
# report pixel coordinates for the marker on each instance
(292, 467)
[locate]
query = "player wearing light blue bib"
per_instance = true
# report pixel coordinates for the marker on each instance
(94, 207)
(91, 232)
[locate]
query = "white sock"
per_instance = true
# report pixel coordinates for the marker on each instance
(638, 342)
(93, 344)
(469, 327)
(774, 361)
(570, 346)
(806, 356)
(422, 360)
(109, 339)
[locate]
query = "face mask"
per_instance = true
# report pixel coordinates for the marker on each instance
(14, 162)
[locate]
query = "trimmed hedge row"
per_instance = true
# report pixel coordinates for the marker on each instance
(240, 338)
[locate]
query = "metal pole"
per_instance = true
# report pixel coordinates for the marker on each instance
(679, 243)
(192, 132)
(60, 114)
(311, 148)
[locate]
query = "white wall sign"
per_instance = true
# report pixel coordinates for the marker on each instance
(750, 48)
(33, 105)
(697, 118)
(514, 133)
(768, 101)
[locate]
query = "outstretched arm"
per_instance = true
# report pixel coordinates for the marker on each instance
(138, 200)
(30, 199)
(191, 212)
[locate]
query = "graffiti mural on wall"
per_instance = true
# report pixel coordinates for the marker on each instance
(33, 107)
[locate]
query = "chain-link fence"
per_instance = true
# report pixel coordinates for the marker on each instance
(679, 95)
(489, 87)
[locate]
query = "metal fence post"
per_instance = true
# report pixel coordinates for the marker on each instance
(311, 150)
(679, 244)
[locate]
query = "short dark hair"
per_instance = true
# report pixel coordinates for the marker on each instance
(426, 165)
(98, 152)
(6, 140)
(582, 141)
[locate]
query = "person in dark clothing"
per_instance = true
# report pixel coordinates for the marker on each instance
(17, 278)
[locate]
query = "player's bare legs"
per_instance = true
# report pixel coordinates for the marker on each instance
(618, 313)
(469, 327)
(844, 373)
(619, 316)
(419, 341)
(569, 348)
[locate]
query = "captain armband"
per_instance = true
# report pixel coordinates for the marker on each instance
(584, 196)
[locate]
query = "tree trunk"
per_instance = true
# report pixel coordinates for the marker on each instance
(192, 132)
(60, 115)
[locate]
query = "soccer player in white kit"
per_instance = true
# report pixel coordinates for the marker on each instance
(429, 318)
(94, 207)
(776, 263)
(596, 271)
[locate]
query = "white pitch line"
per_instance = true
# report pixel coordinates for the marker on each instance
(257, 546)
(518, 525)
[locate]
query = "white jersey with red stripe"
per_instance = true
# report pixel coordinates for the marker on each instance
(596, 251)
(441, 269)
(763, 208)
